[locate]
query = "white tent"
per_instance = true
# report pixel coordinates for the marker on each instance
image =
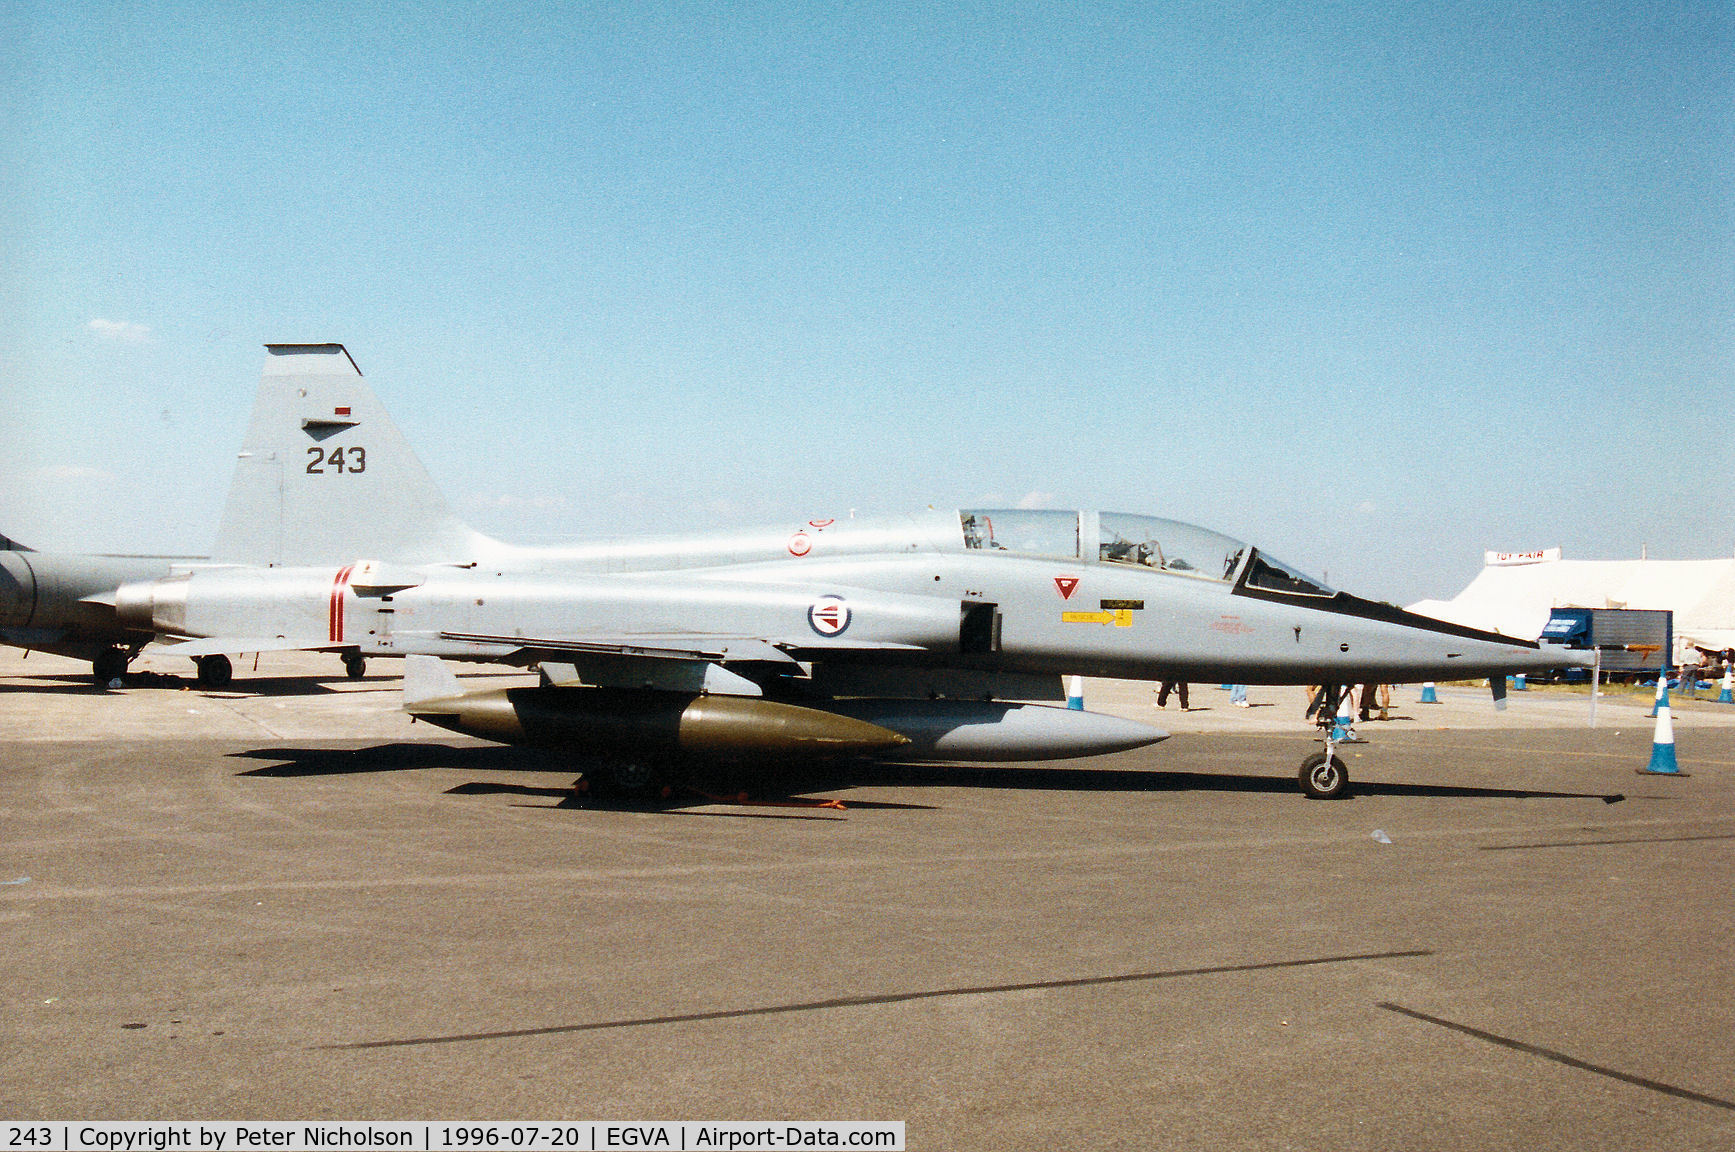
(1514, 594)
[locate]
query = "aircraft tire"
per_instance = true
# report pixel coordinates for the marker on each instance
(354, 665)
(623, 780)
(633, 777)
(110, 664)
(215, 671)
(1322, 781)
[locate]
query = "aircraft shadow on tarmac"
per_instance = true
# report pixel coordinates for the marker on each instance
(63, 683)
(798, 784)
(401, 756)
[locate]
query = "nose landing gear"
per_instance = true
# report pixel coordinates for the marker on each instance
(1323, 775)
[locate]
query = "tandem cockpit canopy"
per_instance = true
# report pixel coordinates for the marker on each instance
(1127, 538)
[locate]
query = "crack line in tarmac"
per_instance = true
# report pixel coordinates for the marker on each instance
(885, 998)
(1561, 1058)
(1594, 843)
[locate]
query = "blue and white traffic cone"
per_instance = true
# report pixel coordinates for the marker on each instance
(1518, 684)
(1663, 744)
(1343, 728)
(1724, 694)
(1428, 694)
(1075, 693)
(1662, 692)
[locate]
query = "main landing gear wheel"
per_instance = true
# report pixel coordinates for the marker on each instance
(354, 665)
(110, 664)
(619, 780)
(1323, 777)
(214, 671)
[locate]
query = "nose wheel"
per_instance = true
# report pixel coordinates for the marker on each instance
(1323, 776)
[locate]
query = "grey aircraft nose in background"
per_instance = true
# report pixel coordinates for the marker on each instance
(926, 636)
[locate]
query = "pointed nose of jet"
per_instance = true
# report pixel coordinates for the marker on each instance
(1371, 641)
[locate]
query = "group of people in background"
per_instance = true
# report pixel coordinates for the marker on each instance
(1373, 697)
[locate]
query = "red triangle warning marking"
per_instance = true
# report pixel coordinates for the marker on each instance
(1065, 585)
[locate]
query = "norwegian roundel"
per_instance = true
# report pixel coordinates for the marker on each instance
(829, 615)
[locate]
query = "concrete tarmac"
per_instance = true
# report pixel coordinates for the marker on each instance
(285, 901)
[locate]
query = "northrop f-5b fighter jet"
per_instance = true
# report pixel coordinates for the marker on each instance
(927, 636)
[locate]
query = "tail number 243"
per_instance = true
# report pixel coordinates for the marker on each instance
(319, 461)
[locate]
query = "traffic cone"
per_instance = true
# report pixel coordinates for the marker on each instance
(1074, 693)
(1663, 744)
(1662, 692)
(1343, 728)
(1518, 684)
(1724, 694)
(1428, 696)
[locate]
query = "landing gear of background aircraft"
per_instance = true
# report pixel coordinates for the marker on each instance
(110, 664)
(354, 665)
(214, 671)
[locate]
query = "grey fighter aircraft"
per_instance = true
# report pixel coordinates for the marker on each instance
(64, 603)
(927, 636)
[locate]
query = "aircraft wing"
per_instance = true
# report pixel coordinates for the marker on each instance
(220, 645)
(701, 648)
(707, 647)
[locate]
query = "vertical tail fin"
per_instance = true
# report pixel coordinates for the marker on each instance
(324, 476)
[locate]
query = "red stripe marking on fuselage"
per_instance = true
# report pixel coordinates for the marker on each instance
(335, 615)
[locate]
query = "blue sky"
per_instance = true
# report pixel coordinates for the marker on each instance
(1375, 288)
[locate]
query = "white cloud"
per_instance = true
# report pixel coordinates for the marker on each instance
(121, 331)
(1038, 500)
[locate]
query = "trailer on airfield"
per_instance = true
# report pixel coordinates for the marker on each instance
(1633, 641)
